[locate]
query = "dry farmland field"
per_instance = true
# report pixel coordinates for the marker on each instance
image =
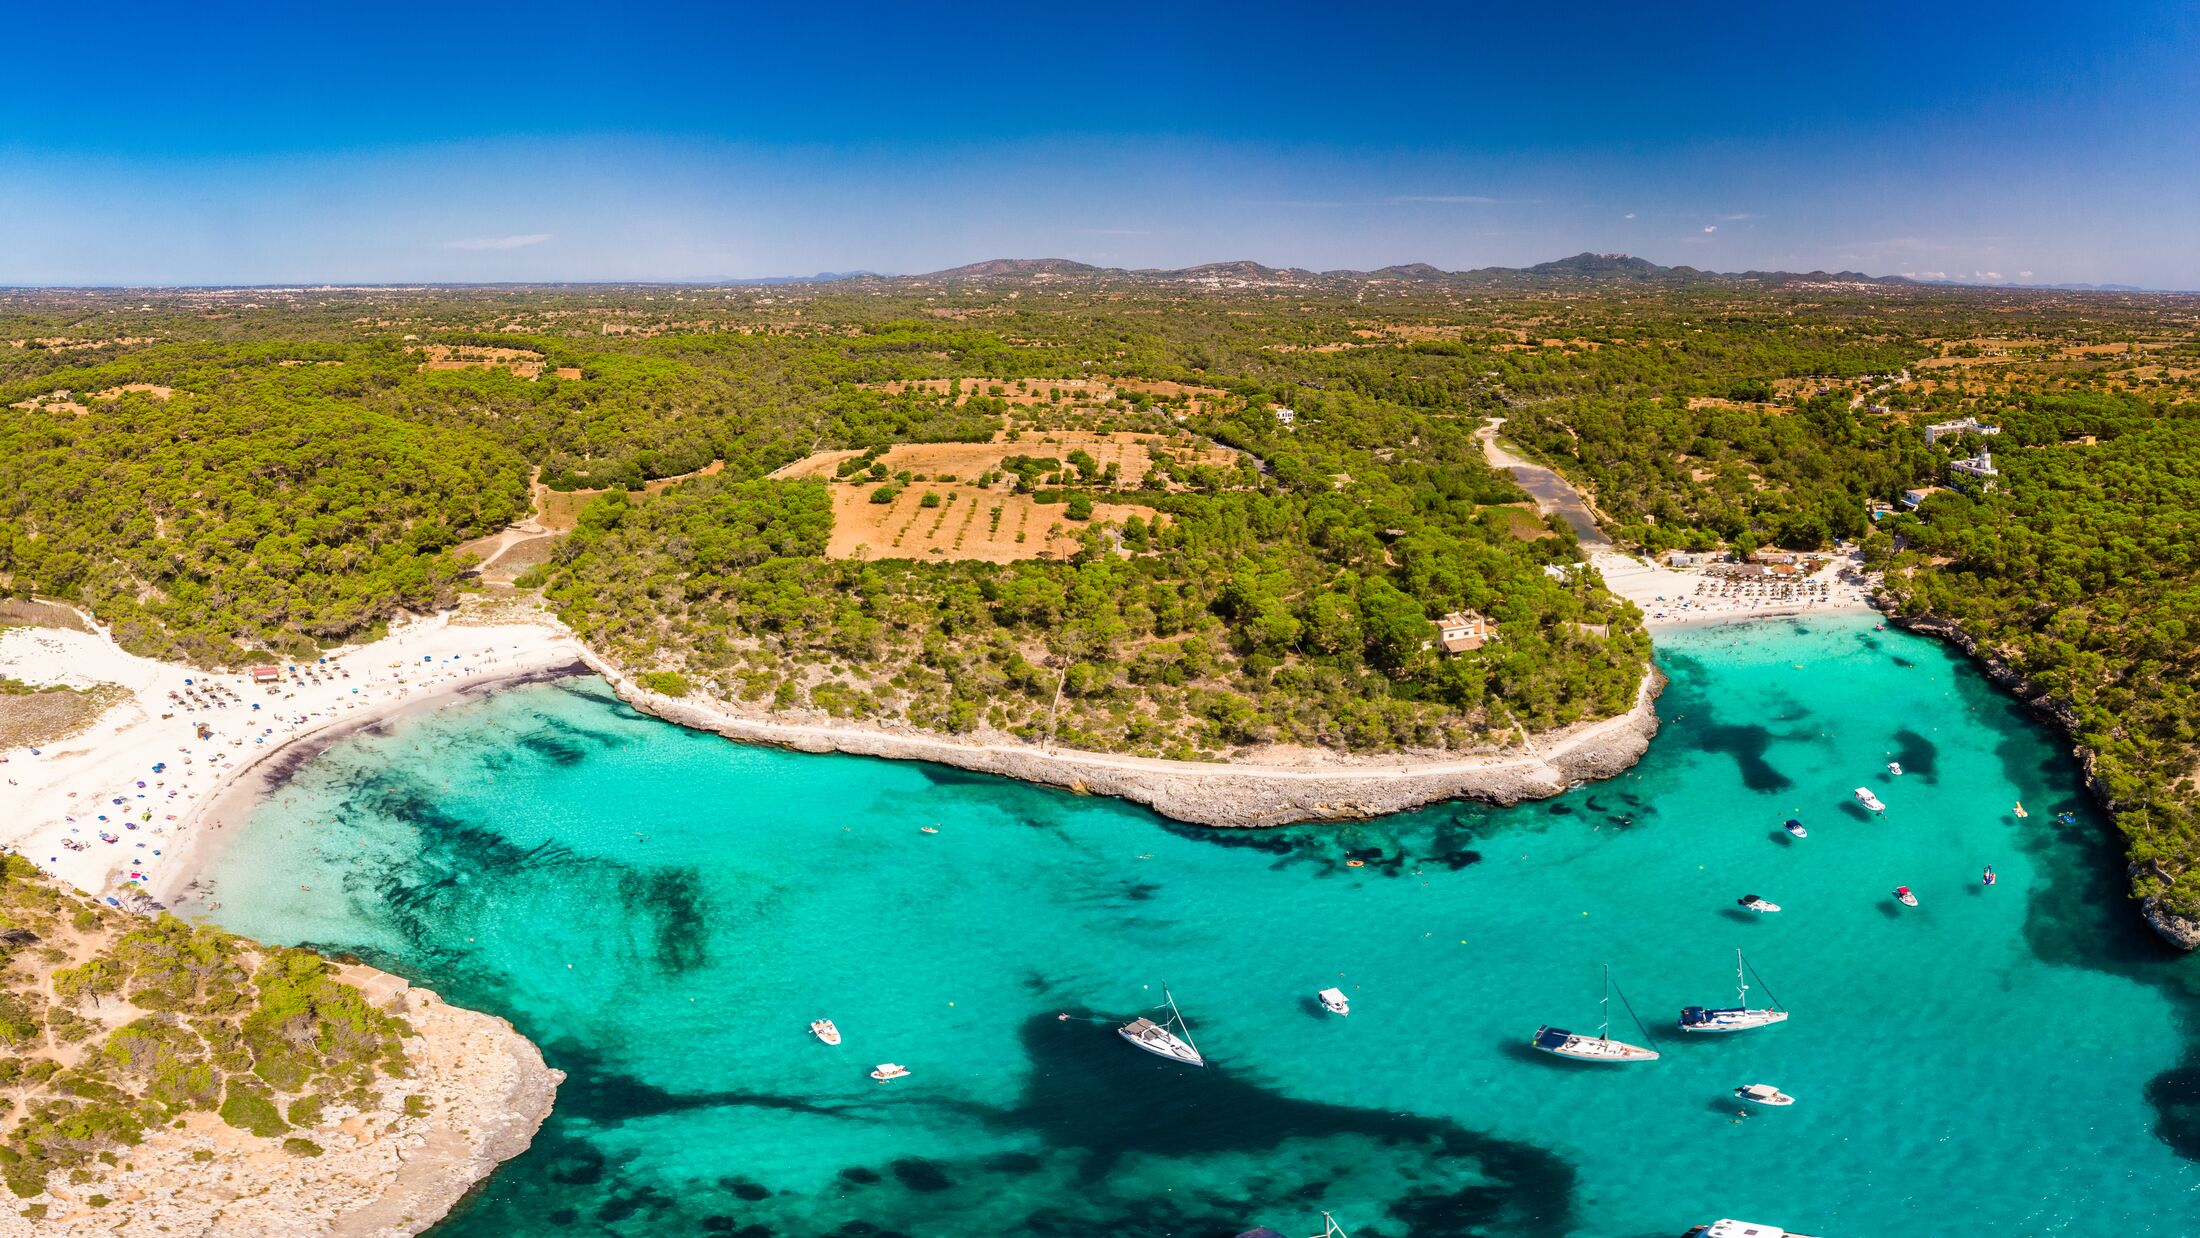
(988, 523)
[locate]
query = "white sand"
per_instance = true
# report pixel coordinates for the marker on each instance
(66, 792)
(1669, 596)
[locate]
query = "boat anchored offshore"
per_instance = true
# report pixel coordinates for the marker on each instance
(1865, 797)
(1763, 1094)
(1333, 1001)
(1170, 1038)
(1559, 1042)
(1895, 768)
(824, 1030)
(1738, 1017)
(1754, 903)
(1741, 1229)
(1796, 828)
(888, 1070)
(1903, 896)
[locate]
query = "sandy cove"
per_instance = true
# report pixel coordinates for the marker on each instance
(65, 792)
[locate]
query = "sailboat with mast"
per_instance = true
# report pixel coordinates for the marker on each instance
(1171, 1038)
(1600, 1047)
(1738, 1017)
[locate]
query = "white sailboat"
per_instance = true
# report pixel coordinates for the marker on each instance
(1559, 1042)
(1171, 1038)
(1738, 1017)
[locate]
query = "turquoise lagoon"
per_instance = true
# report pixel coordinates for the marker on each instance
(664, 912)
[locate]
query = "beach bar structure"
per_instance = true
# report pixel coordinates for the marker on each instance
(266, 674)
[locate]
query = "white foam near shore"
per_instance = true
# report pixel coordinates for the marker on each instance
(63, 801)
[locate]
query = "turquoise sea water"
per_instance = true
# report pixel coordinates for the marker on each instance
(664, 912)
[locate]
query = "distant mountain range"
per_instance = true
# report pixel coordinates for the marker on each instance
(1582, 268)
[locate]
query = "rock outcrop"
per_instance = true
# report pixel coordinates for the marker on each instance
(475, 1096)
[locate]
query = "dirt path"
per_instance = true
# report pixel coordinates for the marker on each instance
(1551, 492)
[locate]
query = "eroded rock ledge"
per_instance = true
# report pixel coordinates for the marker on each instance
(1265, 790)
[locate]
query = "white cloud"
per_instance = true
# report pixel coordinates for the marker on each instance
(1738, 216)
(520, 241)
(1986, 275)
(2024, 275)
(1711, 227)
(1455, 199)
(1629, 215)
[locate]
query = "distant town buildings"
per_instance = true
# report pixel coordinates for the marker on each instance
(1463, 630)
(1969, 425)
(1286, 417)
(1911, 498)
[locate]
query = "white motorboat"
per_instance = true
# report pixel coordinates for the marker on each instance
(1796, 828)
(1903, 896)
(1895, 768)
(1559, 1042)
(1170, 1038)
(824, 1030)
(1740, 1017)
(1754, 903)
(1741, 1229)
(1333, 1001)
(888, 1070)
(1865, 797)
(1763, 1094)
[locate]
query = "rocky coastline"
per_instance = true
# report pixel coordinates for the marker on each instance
(1262, 789)
(2180, 931)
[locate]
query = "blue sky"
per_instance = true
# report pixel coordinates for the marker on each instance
(234, 144)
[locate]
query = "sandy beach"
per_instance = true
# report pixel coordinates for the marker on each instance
(120, 809)
(1671, 596)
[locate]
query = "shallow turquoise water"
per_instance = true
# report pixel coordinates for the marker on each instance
(664, 912)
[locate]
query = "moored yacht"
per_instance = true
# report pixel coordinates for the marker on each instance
(1334, 1002)
(1739, 1017)
(824, 1030)
(1795, 827)
(1741, 1229)
(1169, 1038)
(1865, 797)
(1763, 1094)
(1559, 1042)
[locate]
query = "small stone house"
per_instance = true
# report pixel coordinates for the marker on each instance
(1463, 630)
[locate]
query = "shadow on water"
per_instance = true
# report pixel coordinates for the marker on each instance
(1088, 1104)
(1919, 756)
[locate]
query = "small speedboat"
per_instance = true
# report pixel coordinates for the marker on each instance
(1895, 768)
(888, 1070)
(2019, 809)
(1754, 903)
(1333, 1001)
(1989, 878)
(1903, 896)
(824, 1030)
(1763, 1094)
(928, 829)
(1796, 828)
(1865, 797)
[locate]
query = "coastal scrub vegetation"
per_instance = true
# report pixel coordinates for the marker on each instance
(114, 1025)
